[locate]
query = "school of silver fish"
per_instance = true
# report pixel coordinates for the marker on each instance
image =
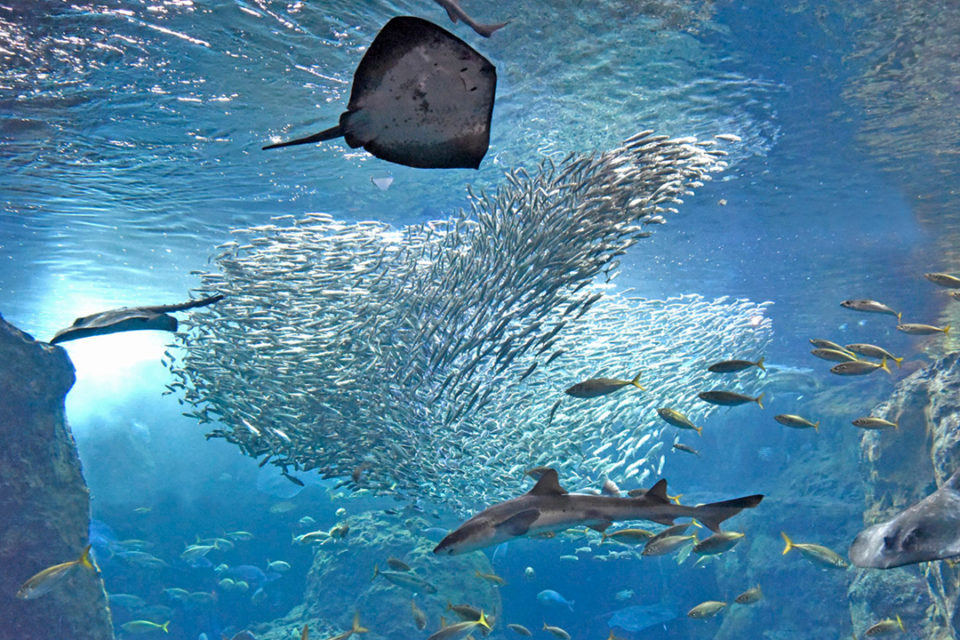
(431, 360)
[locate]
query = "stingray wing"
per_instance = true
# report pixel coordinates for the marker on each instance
(421, 97)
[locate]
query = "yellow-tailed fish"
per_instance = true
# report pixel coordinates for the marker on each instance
(556, 632)
(50, 577)
(885, 627)
(859, 368)
(874, 423)
(596, 387)
(797, 422)
(144, 626)
(916, 329)
(749, 596)
(815, 553)
(677, 419)
(732, 366)
(873, 351)
(943, 279)
(706, 609)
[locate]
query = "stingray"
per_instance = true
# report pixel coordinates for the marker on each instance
(129, 319)
(421, 97)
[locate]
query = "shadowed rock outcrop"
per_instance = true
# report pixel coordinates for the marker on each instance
(43, 498)
(901, 467)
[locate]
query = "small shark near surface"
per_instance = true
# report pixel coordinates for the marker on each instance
(547, 507)
(928, 530)
(454, 11)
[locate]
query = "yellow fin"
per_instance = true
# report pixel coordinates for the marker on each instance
(762, 368)
(789, 544)
(483, 621)
(636, 381)
(759, 400)
(84, 560)
(356, 623)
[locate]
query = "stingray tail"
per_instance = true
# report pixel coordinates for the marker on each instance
(326, 134)
(716, 512)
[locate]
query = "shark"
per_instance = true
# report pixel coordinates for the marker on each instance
(928, 530)
(547, 507)
(455, 12)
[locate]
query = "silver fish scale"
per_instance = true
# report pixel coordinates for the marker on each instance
(398, 353)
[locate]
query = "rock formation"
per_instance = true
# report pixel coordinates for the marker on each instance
(901, 467)
(43, 498)
(340, 583)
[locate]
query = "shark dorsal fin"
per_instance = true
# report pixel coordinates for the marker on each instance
(547, 485)
(658, 492)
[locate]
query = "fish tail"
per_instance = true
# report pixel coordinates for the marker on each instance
(483, 621)
(759, 400)
(356, 623)
(699, 430)
(603, 537)
(376, 572)
(899, 316)
(883, 365)
(789, 542)
(85, 558)
(900, 623)
(896, 425)
(711, 515)
(816, 426)
(760, 364)
(486, 30)
(898, 361)
(326, 134)
(164, 626)
(636, 381)
(570, 604)
(946, 330)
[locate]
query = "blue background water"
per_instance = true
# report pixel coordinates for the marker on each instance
(130, 147)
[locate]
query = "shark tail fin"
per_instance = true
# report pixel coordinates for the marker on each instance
(326, 134)
(711, 515)
(486, 30)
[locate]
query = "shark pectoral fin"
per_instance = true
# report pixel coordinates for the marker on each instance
(549, 485)
(658, 492)
(711, 515)
(519, 523)
(667, 520)
(600, 526)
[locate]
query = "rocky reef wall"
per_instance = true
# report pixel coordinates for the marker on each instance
(43, 497)
(899, 468)
(341, 583)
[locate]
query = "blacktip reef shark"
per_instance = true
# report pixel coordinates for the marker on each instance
(547, 507)
(129, 319)
(421, 97)
(928, 530)
(452, 7)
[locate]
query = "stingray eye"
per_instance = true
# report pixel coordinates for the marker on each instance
(889, 542)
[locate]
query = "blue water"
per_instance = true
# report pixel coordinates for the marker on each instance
(131, 136)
